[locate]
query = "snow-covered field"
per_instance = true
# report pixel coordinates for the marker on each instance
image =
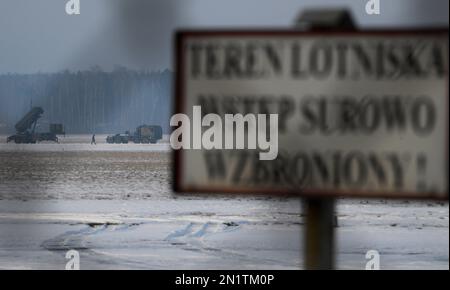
(114, 204)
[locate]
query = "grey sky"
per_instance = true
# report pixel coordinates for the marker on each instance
(37, 35)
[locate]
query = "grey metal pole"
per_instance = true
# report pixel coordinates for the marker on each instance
(319, 233)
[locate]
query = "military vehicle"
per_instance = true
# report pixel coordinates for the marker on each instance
(144, 134)
(118, 139)
(26, 129)
(147, 134)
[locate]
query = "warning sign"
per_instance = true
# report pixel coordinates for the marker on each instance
(359, 113)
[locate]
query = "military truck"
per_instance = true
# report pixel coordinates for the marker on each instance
(26, 129)
(118, 139)
(144, 134)
(147, 134)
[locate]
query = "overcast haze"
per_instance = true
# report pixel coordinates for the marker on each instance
(40, 36)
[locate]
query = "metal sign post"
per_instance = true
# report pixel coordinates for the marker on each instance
(319, 233)
(319, 249)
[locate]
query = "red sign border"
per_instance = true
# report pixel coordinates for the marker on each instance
(179, 100)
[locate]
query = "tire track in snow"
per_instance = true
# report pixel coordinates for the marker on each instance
(76, 240)
(191, 238)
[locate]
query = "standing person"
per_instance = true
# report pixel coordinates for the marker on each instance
(93, 140)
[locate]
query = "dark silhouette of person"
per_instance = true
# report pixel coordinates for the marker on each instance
(93, 140)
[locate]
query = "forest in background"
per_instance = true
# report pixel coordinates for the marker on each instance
(91, 101)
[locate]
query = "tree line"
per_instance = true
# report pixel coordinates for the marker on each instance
(91, 101)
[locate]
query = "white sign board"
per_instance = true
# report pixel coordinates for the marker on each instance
(359, 113)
